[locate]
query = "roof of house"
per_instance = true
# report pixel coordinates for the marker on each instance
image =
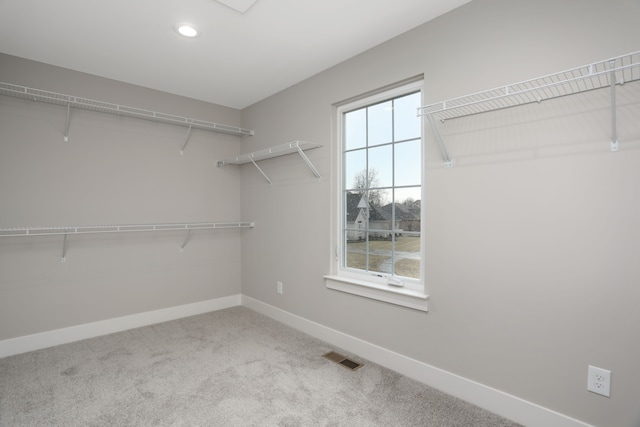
(380, 213)
(353, 200)
(402, 212)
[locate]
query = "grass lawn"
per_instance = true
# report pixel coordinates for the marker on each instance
(403, 244)
(403, 267)
(360, 261)
(408, 268)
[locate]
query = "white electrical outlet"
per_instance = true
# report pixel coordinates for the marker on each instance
(599, 381)
(279, 287)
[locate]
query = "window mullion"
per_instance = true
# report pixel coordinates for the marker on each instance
(392, 226)
(366, 187)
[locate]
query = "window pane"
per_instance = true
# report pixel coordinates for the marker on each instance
(380, 252)
(380, 123)
(355, 129)
(351, 212)
(407, 255)
(356, 253)
(380, 260)
(406, 247)
(408, 163)
(381, 166)
(378, 199)
(407, 124)
(358, 211)
(408, 195)
(355, 167)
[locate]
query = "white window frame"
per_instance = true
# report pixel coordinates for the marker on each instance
(410, 292)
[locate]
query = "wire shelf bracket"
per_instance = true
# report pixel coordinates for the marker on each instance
(186, 239)
(279, 150)
(64, 248)
(614, 126)
(130, 228)
(66, 126)
(598, 75)
(70, 102)
(448, 163)
(186, 140)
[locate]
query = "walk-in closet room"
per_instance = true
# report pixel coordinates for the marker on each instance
(337, 213)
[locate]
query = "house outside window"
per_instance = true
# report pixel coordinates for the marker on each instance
(379, 242)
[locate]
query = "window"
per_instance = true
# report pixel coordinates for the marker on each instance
(379, 242)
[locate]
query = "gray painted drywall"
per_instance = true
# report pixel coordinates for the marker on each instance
(531, 237)
(113, 170)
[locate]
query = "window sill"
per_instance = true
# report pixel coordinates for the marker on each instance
(399, 296)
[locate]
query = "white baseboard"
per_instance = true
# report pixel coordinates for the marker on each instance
(496, 401)
(27, 343)
(493, 400)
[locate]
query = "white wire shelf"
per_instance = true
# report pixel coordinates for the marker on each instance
(618, 70)
(128, 228)
(70, 101)
(269, 153)
(279, 150)
(598, 75)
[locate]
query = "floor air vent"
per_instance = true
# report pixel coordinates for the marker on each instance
(342, 360)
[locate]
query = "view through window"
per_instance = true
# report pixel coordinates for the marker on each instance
(382, 187)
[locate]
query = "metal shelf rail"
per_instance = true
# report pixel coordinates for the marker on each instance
(598, 75)
(128, 228)
(70, 101)
(279, 150)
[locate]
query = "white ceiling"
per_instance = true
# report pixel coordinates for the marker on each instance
(239, 58)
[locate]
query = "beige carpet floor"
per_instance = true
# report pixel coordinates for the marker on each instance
(231, 367)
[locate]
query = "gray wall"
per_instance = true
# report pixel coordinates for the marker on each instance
(531, 237)
(113, 170)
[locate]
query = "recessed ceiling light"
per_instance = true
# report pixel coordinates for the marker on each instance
(187, 30)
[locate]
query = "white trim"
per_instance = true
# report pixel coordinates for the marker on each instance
(42, 340)
(491, 399)
(359, 282)
(394, 295)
